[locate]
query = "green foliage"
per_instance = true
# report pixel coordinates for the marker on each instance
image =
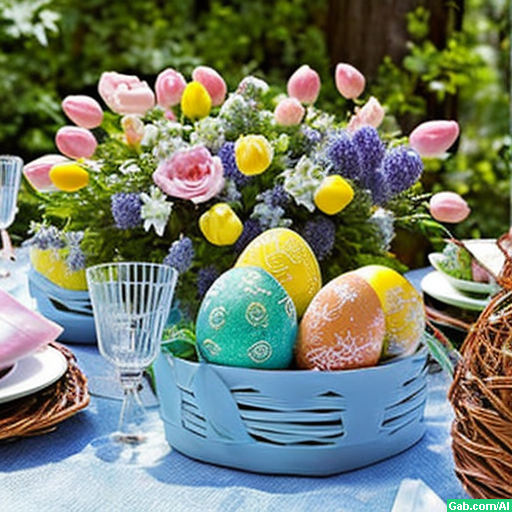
(52, 48)
(471, 72)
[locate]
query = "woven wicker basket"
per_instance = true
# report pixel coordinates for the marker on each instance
(292, 422)
(481, 395)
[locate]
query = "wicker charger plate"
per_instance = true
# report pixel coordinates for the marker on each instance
(40, 412)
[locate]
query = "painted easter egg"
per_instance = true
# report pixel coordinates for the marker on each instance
(403, 309)
(288, 257)
(343, 326)
(247, 319)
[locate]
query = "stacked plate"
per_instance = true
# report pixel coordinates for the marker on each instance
(40, 382)
(455, 304)
(27, 362)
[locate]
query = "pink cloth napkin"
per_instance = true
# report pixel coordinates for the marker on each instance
(22, 331)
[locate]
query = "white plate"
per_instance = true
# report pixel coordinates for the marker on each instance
(462, 284)
(33, 373)
(437, 286)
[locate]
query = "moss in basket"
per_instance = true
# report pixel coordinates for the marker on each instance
(146, 189)
(456, 261)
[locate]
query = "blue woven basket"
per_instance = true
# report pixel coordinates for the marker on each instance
(69, 308)
(292, 422)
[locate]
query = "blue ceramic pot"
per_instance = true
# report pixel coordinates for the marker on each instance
(69, 308)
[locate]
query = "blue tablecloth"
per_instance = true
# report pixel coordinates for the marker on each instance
(59, 471)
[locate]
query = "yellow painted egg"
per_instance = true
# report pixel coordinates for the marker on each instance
(403, 309)
(51, 264)
(343, 326)
(288, 257)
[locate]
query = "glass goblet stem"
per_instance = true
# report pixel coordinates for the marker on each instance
(132, 410)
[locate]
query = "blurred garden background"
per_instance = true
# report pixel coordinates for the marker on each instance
(423, 59)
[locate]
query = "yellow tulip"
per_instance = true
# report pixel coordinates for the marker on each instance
(253, 154)
(69, 177)
(195, 101)
(333, 194)
(220, 225)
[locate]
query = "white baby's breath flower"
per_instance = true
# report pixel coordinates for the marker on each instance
(150, 136)
(155, 210)
(252, 87)
(384, 220)
(302, 181)
(129, 167)
(209, 132)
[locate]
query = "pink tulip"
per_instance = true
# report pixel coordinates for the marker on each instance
(304, 85)
(133, 129)
(212, 82)
(289, 112)
(370, 114)
(84, 111)
(433, 138)
(448, 207)
(37, 172)
(125, 94)
(75, 142)
(169, 87)
(191, 174)
(350, 82)
(170, 115)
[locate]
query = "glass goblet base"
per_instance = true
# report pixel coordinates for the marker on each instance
(145, 447)
(140, 437)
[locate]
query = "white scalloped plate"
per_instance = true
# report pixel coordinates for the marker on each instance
(437, 286)
(33, 373)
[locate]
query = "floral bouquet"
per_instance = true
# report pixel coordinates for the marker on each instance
(188, 175)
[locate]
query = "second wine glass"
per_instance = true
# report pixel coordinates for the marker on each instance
(131, 303)
(10, 179)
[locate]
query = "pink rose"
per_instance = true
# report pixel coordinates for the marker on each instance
(84, 111)
(191, 174)
(37, 172)
(304, 85)
(169, 87)
(370, 114)
(448, 207)
(289, 112)
(75, 142)
(125, 94)
(212, 82)
(350, 82)
(433, 138)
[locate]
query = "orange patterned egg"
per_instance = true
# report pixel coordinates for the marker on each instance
(343, 326)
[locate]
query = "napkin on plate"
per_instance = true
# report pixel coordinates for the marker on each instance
(22, 331)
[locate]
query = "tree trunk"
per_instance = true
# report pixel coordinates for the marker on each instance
(363, 32)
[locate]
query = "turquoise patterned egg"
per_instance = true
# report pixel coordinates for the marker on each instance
(247, 319)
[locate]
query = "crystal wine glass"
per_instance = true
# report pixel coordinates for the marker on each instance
(10, 178)
(131, 303)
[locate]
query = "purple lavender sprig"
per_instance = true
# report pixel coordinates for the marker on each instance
(181, 255)
(126, 209)
(320, 234)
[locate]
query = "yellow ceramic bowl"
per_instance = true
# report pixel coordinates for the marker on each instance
(50, 263)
